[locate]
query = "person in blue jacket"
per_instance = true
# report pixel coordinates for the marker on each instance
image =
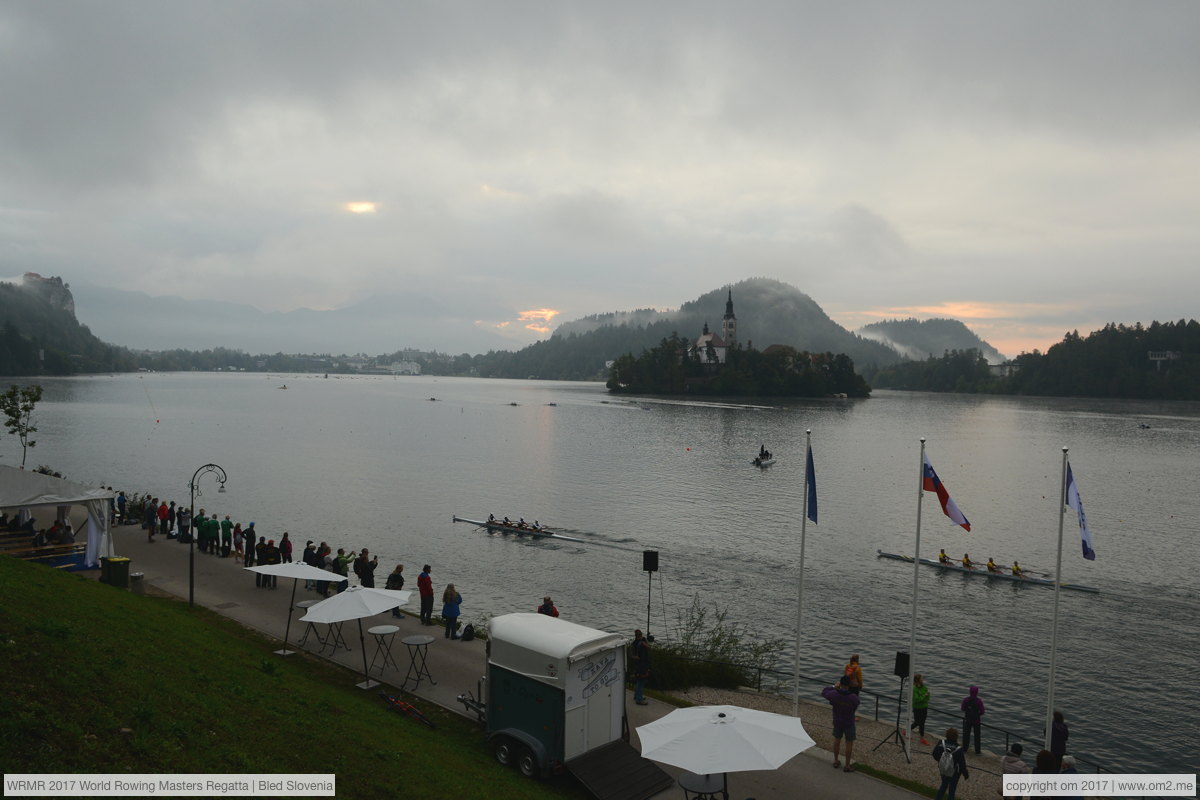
(451, 603)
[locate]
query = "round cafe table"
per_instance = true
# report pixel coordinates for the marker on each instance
(418, 665)
(310, 628)
(384, 634)
(703, 787)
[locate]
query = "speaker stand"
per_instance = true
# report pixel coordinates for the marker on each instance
(895, 735)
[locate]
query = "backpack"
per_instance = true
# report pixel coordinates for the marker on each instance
(468, 633)
(971, 710)
(946, 764)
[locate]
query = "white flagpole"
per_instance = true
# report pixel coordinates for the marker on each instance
(912, 635)
(1062, 505)
(800, 582)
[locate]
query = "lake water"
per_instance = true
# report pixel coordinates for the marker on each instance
(373, 462)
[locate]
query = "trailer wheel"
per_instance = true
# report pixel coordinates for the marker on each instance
(505, 751)
(527, 763)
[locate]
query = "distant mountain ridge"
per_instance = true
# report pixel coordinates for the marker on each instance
(921, 339)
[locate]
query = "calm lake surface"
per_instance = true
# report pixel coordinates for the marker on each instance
(373, 462)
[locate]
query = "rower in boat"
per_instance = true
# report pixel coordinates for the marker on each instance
(942, 557)
(1017, 571)
(967, 562)
(491, 517)
(537, 526)
(992, 566)
(506, 522)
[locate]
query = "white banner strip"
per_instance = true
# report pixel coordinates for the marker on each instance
(1104, 785)
(186, 785)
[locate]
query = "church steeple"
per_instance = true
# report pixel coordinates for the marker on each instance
(729, 322)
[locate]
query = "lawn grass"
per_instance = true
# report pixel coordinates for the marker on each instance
(99, 680)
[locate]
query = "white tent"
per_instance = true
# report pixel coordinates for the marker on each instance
(22, 489)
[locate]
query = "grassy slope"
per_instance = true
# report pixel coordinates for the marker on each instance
(199, 693)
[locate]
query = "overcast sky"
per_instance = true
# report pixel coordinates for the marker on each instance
(1027, 167)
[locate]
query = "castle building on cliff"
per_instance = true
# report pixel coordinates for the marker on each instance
(713, 348)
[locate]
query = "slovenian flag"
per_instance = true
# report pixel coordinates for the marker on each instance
(931, 483)
(1076, 502)
(810, 485)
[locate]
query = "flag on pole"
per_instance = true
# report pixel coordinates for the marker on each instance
(932, 483)
(1076, 502)
(810, 485)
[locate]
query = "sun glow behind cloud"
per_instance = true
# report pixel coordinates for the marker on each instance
(362, 207)
(538, 319)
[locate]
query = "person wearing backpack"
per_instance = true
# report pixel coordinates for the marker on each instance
(952, 764)
(973, 711)
(844, 702)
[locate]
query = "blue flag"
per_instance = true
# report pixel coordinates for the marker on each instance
(810, 485)
(1076, 502)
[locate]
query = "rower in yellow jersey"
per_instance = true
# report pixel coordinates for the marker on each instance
(991, 565)
(1017, 571)
(942, 557)
(967, 562)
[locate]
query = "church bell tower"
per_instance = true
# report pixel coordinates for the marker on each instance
(729, 322)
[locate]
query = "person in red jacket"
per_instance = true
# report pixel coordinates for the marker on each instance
(425, 587)
(547, 607)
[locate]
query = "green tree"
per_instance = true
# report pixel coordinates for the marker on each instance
(17, 405)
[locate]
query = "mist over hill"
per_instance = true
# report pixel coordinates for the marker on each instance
(920, 339)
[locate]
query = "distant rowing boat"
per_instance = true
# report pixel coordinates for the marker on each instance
(541, 532)
(764, 463)
(983, 573)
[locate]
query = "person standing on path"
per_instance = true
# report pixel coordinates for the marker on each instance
(226, 537)
(425, 587)
(341, 565)
(260, 555)
(285, 548)
(239, 542)
(1059, 734)
(395, 582)
(271, 555)
(854, 673)
(164, 513)
(920, 705)
(150, 518)
(171, 516)
(973, 711)
(251, 537)
(451, 606)
(364, 568)
(547, 607)
(184, 518)
(641, 666)
(844, 703)
(953, 768)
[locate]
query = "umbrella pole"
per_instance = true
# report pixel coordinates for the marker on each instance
(287, 630)
(367, 682)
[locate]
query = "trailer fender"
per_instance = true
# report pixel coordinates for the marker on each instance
(512, 746)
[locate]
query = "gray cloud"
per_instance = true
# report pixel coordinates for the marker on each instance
(591, 157)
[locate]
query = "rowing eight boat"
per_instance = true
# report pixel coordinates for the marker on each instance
(542, 532)
(982, 572)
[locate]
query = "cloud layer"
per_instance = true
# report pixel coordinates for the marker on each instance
(1028, 163)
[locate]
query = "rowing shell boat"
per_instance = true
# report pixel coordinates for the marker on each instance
(983, 573)
(542, 532)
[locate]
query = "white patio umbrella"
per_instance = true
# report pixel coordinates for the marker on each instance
(295, 570)
(355, 603)
(711, 739)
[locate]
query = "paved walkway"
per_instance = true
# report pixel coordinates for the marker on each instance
(223, 586)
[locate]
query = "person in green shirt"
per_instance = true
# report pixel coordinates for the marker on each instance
(341, 565)
(920, 705)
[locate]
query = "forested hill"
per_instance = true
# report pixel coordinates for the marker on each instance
(40, 335)
(1112, 362)
(920, 339)
(768, 312)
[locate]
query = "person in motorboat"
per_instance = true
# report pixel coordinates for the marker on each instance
(1017, 571)
(967, 562)
(991, 565)
(942, 557)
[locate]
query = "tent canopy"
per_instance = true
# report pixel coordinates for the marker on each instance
(24, 489)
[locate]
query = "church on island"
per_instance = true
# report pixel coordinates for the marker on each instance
(712, 348)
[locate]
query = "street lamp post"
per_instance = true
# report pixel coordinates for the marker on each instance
(220, 473)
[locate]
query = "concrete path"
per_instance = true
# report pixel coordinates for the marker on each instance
(223, 586)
